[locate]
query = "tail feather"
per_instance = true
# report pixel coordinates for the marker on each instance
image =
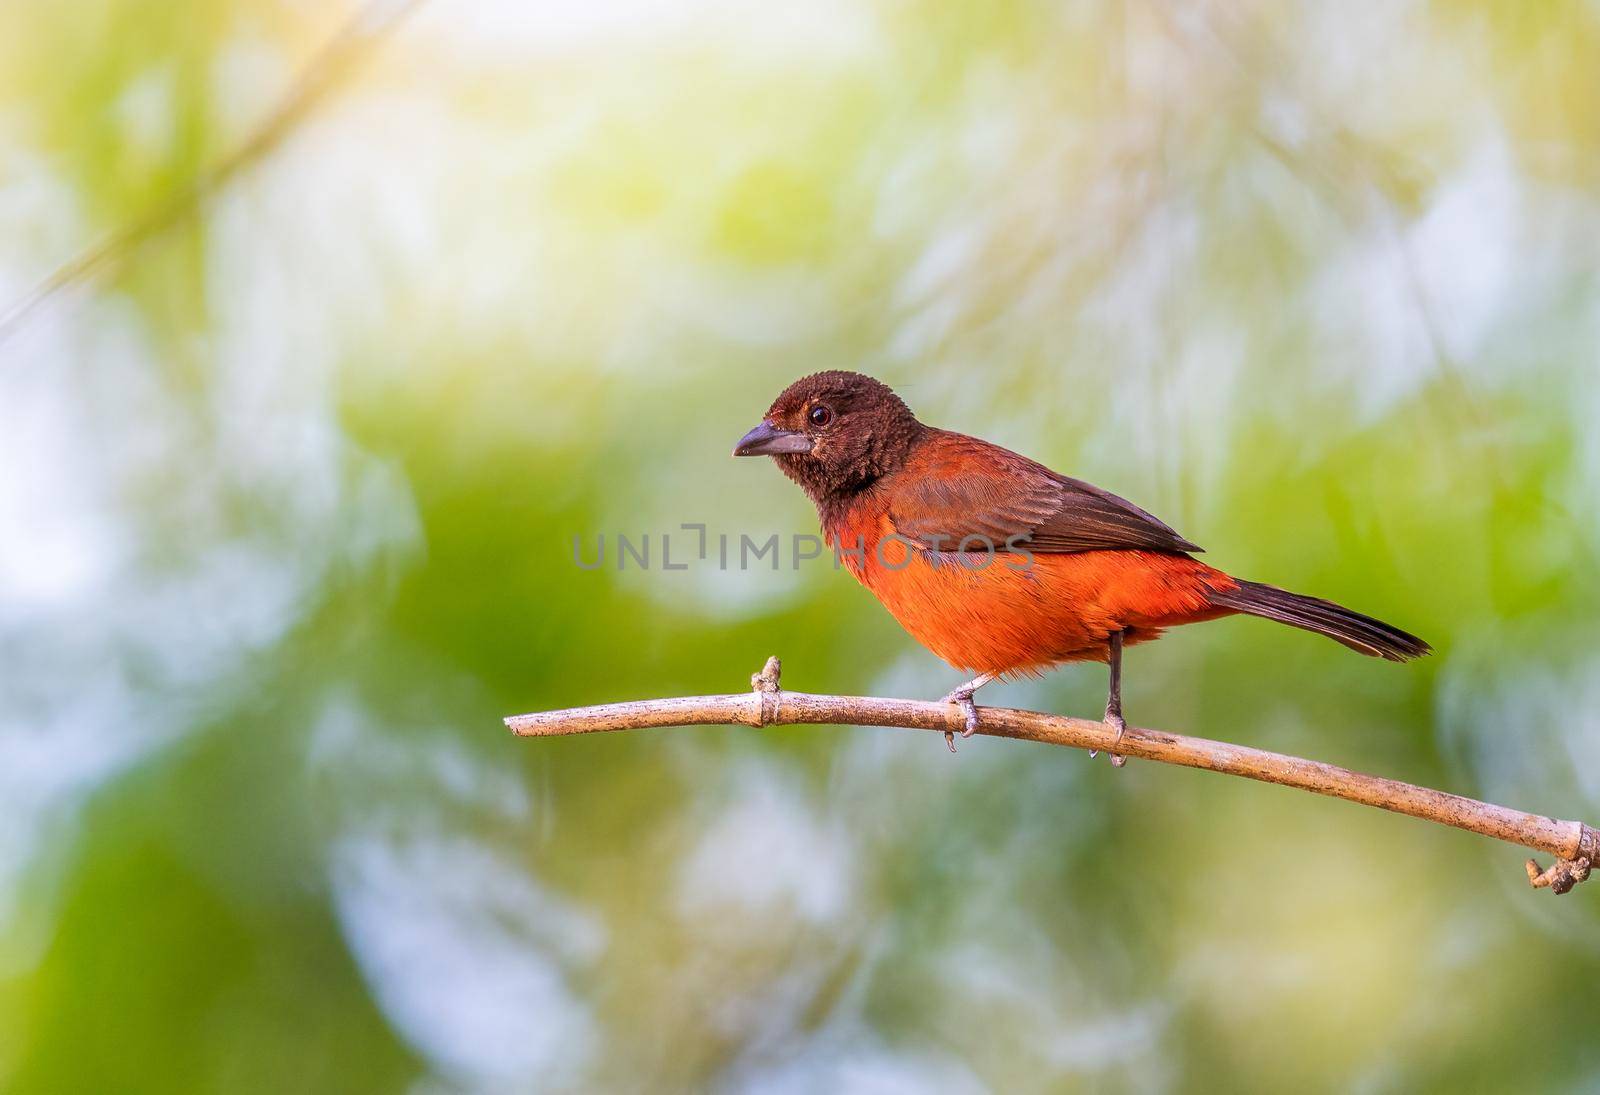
(1358, 632)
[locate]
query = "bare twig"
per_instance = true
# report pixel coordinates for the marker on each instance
(1575, 845)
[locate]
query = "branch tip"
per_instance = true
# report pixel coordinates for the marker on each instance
(1560, 876)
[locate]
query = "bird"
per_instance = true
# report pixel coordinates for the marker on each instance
(997, 564)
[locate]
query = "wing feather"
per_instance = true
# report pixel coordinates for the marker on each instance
(962, 487)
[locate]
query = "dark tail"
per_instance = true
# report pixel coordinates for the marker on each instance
(1358, 632)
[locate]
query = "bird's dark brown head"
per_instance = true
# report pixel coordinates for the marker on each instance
(834, 433)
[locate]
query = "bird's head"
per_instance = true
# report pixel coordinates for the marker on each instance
(834, 433)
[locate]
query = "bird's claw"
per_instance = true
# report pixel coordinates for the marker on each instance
(969, 711)
(1114, 720)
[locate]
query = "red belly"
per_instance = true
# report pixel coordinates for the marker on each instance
(1005, 613)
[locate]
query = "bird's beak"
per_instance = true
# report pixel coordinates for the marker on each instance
(768, 440)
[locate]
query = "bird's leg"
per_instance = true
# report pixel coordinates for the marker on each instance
(962, 698)
(1114, 698)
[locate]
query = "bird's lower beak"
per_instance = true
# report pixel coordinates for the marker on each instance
(768, 440)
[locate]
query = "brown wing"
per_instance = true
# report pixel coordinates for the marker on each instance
(959, 486)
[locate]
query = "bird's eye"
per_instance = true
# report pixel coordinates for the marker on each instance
(820, 416)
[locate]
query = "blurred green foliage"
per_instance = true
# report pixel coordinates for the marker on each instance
(290, 503)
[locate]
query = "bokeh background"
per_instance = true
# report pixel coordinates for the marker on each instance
(289, 484)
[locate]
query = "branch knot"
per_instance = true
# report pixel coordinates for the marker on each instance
(765, 685)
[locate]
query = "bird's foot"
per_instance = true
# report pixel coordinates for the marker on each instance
(962, 698)
(1114, 720)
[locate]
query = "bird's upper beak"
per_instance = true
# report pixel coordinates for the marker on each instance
(768, 440)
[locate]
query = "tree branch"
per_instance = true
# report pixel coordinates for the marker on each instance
(1575, 845)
